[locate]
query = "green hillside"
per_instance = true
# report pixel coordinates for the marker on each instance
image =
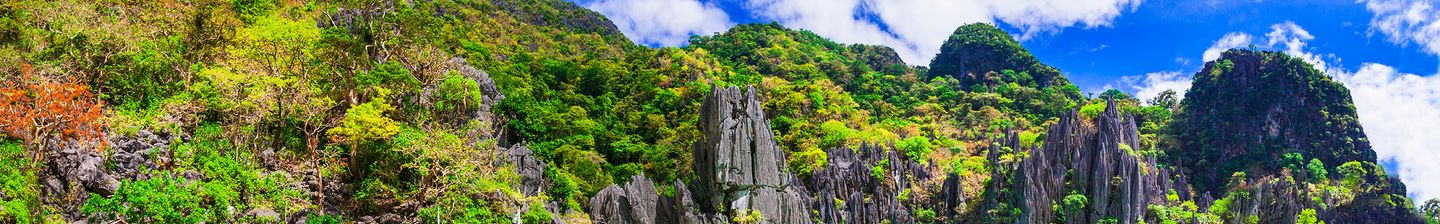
(501, 111)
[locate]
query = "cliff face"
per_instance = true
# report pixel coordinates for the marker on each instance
(1248, 113)
(740, 169)
(740, 166)
(1246, 109)
(849, 191)
(1094, 160)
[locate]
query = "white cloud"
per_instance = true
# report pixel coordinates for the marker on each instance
(1152, 84)
(1285, 36)
(1227, 42)
(917, 28)
(662, 22)
(1401, 115)
(1407, 21)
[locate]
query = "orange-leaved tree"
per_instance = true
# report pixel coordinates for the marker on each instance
(35, 109)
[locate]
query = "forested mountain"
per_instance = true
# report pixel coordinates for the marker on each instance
(541, 111)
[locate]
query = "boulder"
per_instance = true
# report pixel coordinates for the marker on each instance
(531, 170)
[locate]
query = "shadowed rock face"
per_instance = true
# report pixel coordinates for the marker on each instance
(740, 169)
(1096, 160)
(531, 170)
(1248, 108)
(847, 191)
(634, 203)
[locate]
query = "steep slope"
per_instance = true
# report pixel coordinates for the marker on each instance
(1088, 170)
(975, 50)
(1269, 128)
(1247, 109)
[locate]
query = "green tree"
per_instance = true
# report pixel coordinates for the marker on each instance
(1353, 173)
(366, 122)
(1317, 170)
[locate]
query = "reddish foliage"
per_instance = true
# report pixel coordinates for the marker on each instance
(36, 109)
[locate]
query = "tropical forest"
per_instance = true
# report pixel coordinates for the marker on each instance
(545, 111)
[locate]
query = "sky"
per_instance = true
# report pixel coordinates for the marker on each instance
(1387, 52)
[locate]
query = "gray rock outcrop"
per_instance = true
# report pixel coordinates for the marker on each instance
(634, 203)
(1098, 161)
(847, 190)
(739, 164)
(531, 170)
(740, 167)
(80, 164)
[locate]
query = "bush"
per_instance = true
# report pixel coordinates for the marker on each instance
(878, 171)
(1092, 111)
(162, 199)
(1352, 172)
(924, 215)
(390, 75)
(1317, 170)
(969, 165)
(1307, 216)
(366, 122)
(146, 75)
(168, 198)
(458, 93)
(1029, 139)
(808, 161)
(19, 190)
(537, 214)
(916, 148)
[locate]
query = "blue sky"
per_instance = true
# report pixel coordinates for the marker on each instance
(1384, 51)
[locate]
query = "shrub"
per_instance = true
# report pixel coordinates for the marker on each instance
(19, 192)
(1075, 201)
(808, 161)
(878, 171)
(366, 122)
(1317, 170)
(389, 75)
(164, 199)
(916, 148)
(1352, 172)
(537, 214)
(969, 165)
(1093, 110)
(1029, 139)
(748, 217)
(925, 215)
(1307, 216)
(458, 93)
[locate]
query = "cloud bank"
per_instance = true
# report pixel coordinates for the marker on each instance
(917, 28)
(1407, 21)
(1150, 85)
(663, 22)
(1401, 116)
(1229, 41)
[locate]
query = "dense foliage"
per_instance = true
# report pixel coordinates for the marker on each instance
(409, 111)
